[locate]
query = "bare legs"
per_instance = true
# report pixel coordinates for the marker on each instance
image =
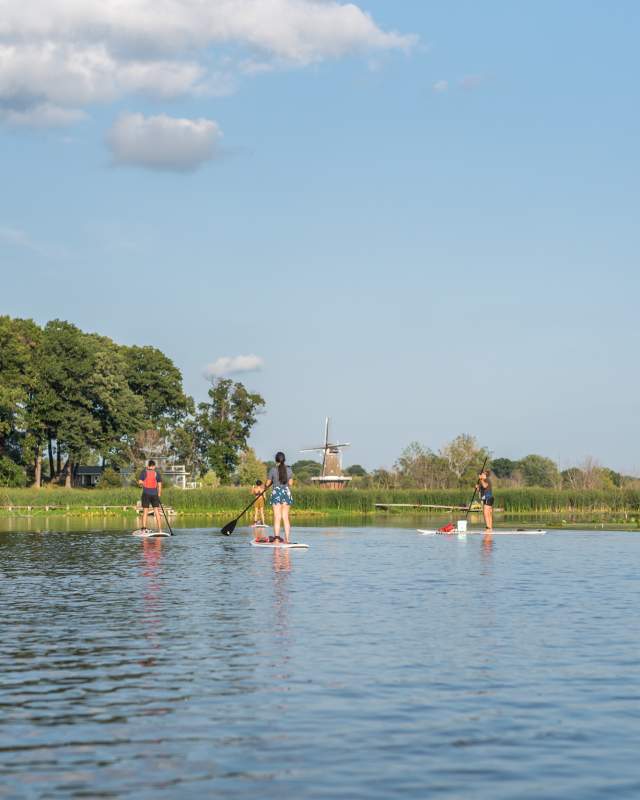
(145, 515)
(281, 517)
(487, 513)
(287, 524)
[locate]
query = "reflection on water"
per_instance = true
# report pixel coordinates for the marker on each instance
(377, 664)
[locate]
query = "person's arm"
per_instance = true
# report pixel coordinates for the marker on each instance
(141, 479)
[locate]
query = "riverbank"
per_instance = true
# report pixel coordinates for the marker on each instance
(552, 507)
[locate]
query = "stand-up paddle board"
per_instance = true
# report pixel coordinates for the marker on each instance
(145, 533)
(494, 532)
(281, 545)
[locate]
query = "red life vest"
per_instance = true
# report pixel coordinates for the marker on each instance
(150, 479)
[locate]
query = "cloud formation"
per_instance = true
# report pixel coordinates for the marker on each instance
(440, 86)
(65, 55)
(163, 142)
(17, 238)
(231, 365)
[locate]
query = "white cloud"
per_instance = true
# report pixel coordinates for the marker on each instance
(16, 237)
(230, 365)
(69, 54)
(45, 115)
(440, 86)
(163, 142)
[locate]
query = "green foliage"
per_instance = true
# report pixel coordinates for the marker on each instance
(11, 474)
(503, 467)
(210, 480)
(250, 469)
(154, 377)
(305, 469)
(224, 425)
(73, 393)
(226, 499)
(539, 471)
(356, 471)
(422, 468)
(110, 479)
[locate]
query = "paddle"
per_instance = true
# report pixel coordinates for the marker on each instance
(476, 489)
(230, 527)
(165, 516)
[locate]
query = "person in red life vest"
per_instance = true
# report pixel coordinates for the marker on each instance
(150, 481)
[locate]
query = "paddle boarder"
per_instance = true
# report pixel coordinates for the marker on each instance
(150, 481)
(486, 496)
(280, 478)
(258, 509)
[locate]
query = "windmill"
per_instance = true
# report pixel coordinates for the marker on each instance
(331, 477)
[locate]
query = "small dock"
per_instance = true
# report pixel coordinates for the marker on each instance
(386, 506)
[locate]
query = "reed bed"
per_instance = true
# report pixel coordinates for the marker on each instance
(350, 501)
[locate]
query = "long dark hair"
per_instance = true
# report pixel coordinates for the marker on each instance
(283, 476)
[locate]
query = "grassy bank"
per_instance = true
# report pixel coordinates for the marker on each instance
(317, 501)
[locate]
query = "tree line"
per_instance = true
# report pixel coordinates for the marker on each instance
(456, 465)
(69, 397)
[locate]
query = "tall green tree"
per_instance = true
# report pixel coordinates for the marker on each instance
(154, 377)
(224, 425)
(539, 471)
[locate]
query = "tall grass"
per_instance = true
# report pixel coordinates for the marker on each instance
(349, 501)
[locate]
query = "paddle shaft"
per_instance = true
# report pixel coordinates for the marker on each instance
(244, 511)
(476, 489)
(165, 516)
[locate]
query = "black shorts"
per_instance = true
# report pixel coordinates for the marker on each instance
(489, 501)
(150, 499)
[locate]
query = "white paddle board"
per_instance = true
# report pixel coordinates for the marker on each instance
(494, 532)
(150, 534)
(281, 545)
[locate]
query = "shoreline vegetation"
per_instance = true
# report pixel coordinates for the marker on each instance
(619, 506)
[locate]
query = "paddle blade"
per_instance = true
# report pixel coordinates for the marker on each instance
(229, 528)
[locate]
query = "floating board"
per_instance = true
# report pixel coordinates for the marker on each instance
(150, 534)
(494, 532)
(281, 545)
(259, 525)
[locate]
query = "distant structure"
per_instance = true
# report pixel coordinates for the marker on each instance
(331, 477)
(151, 444)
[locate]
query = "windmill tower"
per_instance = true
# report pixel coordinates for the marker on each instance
(331, 477)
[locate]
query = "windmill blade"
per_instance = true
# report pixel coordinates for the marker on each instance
(345, 444)
(326, 447)
(312, 449)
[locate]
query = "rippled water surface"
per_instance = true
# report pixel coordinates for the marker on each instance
(377, 664)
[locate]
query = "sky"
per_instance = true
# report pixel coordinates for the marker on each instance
(417, 218)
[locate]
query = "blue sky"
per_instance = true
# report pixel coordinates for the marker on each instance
(423, 222)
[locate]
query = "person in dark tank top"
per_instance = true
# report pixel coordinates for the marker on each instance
(485, 489)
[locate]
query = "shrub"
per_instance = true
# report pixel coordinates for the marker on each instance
(11, 474)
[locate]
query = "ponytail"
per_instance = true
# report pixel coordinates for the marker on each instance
(283, 475)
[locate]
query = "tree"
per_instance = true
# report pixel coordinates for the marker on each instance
(224, 425)
(250, 469)
(539, 471)
(154, 377)
(503, 467)
(464, 457)
(305, 469)
(421, 468)
(356, 471)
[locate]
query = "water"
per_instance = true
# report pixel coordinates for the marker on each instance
(377, 664)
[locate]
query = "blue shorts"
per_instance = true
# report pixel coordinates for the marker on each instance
(281, 495)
